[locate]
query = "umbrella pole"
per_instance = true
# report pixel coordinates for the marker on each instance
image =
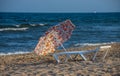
(61, 44)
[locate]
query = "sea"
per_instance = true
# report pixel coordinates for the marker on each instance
(20, 32)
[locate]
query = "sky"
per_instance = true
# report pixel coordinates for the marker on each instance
(59, 5)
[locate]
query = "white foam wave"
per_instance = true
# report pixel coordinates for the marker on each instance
(17, 25)
(93, 44)
(41, 24)
(13, 29)
(15, 53)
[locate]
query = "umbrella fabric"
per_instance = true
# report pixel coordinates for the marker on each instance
(62, 31)
(54, 37)
(45, 45)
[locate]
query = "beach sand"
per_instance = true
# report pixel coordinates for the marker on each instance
(32, 65)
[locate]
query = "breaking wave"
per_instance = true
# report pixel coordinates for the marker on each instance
(15, 53)
(13, 29)
(20, 27)
(93, 44)
(30, 25)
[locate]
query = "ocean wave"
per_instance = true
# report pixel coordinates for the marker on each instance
(92, 44)
(41, 24)
(15, 53)
(21, 25)
(13, 29)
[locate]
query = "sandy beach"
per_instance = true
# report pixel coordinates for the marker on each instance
(32, 65)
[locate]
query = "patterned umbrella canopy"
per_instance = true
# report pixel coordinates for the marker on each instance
(54, 37)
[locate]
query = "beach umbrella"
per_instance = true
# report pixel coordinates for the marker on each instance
(54, 37)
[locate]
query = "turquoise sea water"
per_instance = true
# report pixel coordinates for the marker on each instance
(20, 32)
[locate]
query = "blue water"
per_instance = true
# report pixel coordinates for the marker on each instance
(20, 32)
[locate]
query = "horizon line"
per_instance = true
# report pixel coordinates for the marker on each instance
(57, 12)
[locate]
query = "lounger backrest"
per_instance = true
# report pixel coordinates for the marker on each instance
(105, 47)
(102, 48)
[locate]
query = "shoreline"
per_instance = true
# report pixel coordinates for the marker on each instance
(31, 64)
(74, 46)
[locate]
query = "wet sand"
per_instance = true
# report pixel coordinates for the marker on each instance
(32, 65)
